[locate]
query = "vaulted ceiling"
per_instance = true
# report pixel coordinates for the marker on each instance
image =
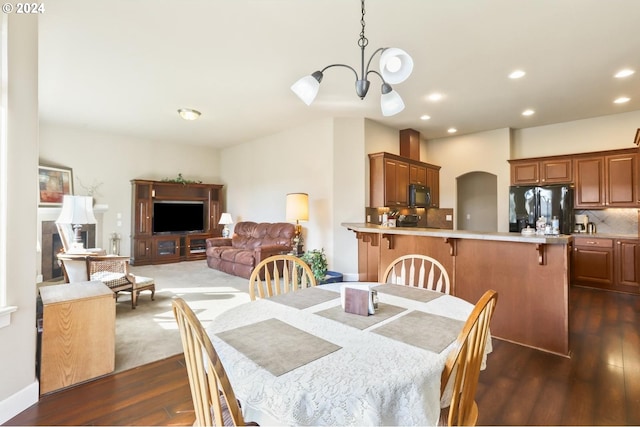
(126, 66)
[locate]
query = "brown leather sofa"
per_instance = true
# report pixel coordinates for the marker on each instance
(251, 243)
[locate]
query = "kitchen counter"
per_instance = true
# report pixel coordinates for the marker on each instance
(530, 274)
(607, 235)
(562, 239)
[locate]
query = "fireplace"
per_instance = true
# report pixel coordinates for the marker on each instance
(52, 245)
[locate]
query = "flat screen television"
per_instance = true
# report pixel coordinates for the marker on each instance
(178, 217)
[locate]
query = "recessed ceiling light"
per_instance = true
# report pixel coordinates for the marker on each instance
(435, 97)
(622, 100)
(189, 114)
(517, 74)
(452, 130)
(528, 112)
(624, 73)
(425, 117)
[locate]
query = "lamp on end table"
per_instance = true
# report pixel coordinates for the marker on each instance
(225, 219)
(297, 210)
(76, 211)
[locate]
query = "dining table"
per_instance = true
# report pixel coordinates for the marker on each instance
(300, 359)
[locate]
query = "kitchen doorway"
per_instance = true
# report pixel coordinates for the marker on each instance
(477, 205)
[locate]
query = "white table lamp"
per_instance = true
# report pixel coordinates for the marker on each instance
(77, 210)
(225, 219)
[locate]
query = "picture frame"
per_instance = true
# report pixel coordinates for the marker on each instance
(637, 139)
(54, 182)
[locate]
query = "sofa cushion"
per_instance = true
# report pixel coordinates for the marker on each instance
(239, 256)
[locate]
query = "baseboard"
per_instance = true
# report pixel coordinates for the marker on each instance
(18, 402)
(350, 277)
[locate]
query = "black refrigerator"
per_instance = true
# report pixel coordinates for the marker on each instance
(528, 203)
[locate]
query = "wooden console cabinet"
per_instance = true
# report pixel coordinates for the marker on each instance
(150, 248)
(78, 334)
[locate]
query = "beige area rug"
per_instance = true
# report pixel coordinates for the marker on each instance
(150, 332)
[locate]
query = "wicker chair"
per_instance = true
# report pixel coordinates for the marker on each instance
(112, 270)
(465, 362)
(279, 274)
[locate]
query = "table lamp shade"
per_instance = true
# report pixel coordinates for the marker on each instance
(77, 210)
(225, 219)
(297, 207)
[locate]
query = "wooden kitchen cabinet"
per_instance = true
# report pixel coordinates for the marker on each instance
(433, 182)
(607, 181)
(390, 176)
(593, 262)
(605, 263)
(551, 170)
(78, 334)
(627, 256)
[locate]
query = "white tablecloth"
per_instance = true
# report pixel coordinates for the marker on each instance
(371, 380)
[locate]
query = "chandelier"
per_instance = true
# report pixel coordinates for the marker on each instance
(395, 67)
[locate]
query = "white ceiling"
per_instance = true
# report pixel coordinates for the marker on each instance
(126, 66)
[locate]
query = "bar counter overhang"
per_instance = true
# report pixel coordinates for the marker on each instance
(530, 273)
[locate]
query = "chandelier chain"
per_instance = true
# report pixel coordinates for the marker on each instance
(362, 42)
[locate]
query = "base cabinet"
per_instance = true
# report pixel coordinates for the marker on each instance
(78, 334)
(610, 264)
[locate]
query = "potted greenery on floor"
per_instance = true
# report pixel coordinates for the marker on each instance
(317, 261)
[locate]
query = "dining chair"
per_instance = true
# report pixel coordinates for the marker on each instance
(279, 274)
(213, 398)
(464, 363)
(419, 271)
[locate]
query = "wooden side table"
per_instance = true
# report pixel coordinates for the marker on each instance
(78, 334)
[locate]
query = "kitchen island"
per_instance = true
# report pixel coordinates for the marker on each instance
(530, 273)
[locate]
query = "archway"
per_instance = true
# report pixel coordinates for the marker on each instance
(477, 204)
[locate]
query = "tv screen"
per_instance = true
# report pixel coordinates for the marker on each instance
(178, 217)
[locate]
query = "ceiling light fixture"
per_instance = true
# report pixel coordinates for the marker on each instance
(622, 100)
(395, 67)
(624, 73)
(528, 112)
(517, 74)
(435, 97)
(425, 117)
(452, 130)
(189, 114)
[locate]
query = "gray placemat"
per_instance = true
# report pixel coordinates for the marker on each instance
(277, 346)
(383, 312)
(425, 330)
(409, 292)
(304, 298)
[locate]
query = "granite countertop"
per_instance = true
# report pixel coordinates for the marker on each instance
(608, 235)
(459, 234)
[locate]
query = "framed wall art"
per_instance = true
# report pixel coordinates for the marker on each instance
(53, 184)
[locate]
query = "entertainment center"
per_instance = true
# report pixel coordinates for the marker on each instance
(172, 221)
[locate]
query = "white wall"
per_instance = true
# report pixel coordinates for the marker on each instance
(580, 136)
(480, 152)
(18, 386)
(111, 161)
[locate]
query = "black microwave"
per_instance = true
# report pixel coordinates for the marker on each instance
(419, 196)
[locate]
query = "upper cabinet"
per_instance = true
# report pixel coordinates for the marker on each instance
(556, 170)
(390, 176)
(607, 181)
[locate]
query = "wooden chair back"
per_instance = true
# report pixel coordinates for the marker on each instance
(466, 362)
(279, 274)
(67, 236)
(419, 271)
(213, 398)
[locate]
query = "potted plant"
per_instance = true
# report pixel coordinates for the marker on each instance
(317, 260)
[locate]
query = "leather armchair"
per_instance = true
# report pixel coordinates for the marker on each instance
(251, 243)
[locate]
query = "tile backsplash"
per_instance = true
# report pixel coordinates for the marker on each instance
(613, 221)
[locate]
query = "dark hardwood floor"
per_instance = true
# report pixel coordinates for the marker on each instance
(598, 385)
